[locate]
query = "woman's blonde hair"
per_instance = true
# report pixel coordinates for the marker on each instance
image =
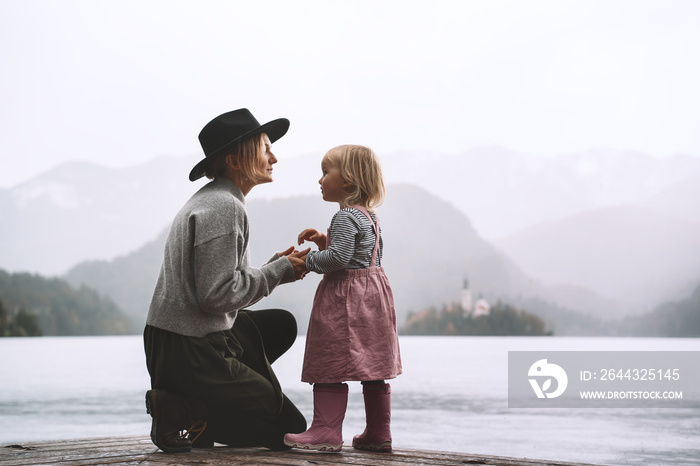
(360, 167)
(247, 152)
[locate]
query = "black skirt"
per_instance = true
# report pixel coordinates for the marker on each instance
(231, 372)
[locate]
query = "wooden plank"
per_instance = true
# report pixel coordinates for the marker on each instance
(140, 451)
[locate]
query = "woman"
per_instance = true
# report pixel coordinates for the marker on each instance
(204, 352)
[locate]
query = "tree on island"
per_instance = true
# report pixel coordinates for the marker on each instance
(33, 305)
(502, 320)
(24, 324)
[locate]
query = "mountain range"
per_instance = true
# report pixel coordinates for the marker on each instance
(604, 232)
(430, 249)
(81, 211)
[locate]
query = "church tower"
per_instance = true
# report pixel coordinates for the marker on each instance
(466, 298)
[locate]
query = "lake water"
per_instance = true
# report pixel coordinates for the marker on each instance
(452, 396)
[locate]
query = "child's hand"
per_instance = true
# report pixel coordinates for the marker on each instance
(313, 235)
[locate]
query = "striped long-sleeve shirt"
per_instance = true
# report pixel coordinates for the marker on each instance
(352, 240)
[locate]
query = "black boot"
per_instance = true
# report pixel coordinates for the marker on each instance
(174, 417)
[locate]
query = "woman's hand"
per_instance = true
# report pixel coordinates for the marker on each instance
(289, 251)
(298, 260)
(313, 235)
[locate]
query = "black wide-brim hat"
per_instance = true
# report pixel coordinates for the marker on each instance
(229, 128)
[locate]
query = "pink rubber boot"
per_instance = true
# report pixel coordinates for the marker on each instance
(377, 434)
(326, 431)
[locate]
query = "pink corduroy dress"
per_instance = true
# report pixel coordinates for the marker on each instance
(352, 329)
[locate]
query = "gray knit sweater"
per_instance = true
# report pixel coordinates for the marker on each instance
(206, 277)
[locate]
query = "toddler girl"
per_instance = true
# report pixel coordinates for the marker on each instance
(352, 330)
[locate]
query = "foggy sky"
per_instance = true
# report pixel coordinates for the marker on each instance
(120, 82)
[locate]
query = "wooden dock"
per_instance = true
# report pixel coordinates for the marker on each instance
(140, 451)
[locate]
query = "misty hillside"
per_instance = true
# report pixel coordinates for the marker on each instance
(128, 280)
(680, 200)
(82, 211)
(503, 191)
(57, 308)
(430, 247)
(628, 253)
(678, 319)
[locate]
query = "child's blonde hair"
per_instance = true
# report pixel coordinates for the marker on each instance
(360, 167)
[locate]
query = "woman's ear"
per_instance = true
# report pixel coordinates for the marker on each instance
(232, 162)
